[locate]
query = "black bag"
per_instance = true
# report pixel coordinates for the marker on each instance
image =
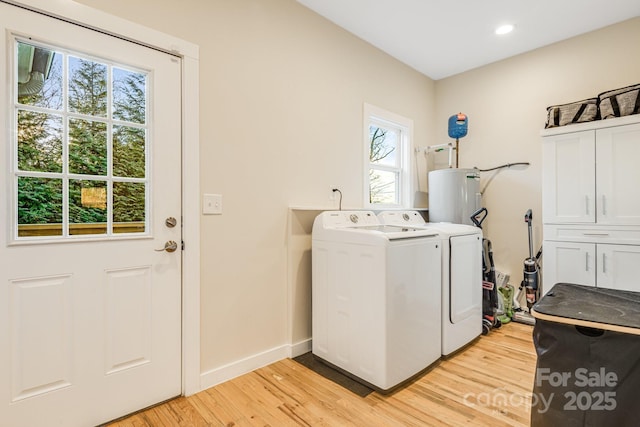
(586, 377)
(620, 102)
(574, 112)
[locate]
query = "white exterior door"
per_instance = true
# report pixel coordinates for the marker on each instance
(90, 318)
(568, 178)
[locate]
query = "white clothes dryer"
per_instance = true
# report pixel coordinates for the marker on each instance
(461, 276)
(375, 297)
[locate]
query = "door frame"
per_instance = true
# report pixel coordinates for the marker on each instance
(86, 16)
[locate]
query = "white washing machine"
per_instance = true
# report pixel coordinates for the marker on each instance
(461, 276)
(375, 297)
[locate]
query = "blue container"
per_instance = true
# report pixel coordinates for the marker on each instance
(458, 125)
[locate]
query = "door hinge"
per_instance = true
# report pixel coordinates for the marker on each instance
(182, 246)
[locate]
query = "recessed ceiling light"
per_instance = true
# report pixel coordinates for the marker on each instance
(504, 29)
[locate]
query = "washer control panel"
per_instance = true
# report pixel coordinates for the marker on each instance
(349, 218)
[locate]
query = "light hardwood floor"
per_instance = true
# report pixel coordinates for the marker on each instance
(487, 384)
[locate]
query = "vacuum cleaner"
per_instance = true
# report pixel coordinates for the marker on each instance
(530, 284)
(490, 318)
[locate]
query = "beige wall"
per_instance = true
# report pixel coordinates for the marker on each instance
(506, 104)
(281, 120)
(282, 92)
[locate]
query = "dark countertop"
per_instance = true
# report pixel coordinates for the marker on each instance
(591, 304)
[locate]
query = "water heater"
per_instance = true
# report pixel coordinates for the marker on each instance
(454, 194)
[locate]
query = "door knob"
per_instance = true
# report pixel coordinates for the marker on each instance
(169, 246)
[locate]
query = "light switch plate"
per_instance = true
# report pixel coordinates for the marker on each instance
(212, 204)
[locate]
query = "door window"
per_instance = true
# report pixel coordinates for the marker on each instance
(80, 147)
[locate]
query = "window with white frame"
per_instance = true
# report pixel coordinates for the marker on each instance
(387, 142)
(80, 145)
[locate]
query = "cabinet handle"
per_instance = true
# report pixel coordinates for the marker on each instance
(596, 234)
(604, 263)
(604, 205)
(586, 204)
(586, 261)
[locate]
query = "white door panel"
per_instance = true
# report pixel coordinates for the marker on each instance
(617, 151)
(568, 262)
(618, 267)
(91, 324)
(40, 351)
(465, 286)
(568, 179)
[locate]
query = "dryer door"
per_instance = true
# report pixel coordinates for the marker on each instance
(465, 284)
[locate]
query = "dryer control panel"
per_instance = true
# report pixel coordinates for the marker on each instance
(401, 217)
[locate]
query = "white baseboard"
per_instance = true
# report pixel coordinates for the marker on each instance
(232, 370)
(300, 348)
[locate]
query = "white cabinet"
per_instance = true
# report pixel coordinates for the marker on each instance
(569, 178)
(618, 267)
(592, 176)
(591, 204)
(568, 262)
(618, 175)
(591, 264)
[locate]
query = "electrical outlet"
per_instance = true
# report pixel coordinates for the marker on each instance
(332, 194)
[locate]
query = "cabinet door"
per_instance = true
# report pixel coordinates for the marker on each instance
(568, 178)
(568, 262)
(618, 175)
(618, 267)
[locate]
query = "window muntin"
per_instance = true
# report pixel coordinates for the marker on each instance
(81, 145)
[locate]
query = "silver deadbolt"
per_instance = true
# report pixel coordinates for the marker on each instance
(170, 222)
(169, 246)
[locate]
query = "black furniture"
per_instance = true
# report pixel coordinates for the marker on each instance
(588, 370)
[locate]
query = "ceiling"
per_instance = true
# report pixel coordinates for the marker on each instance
(440, 38)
